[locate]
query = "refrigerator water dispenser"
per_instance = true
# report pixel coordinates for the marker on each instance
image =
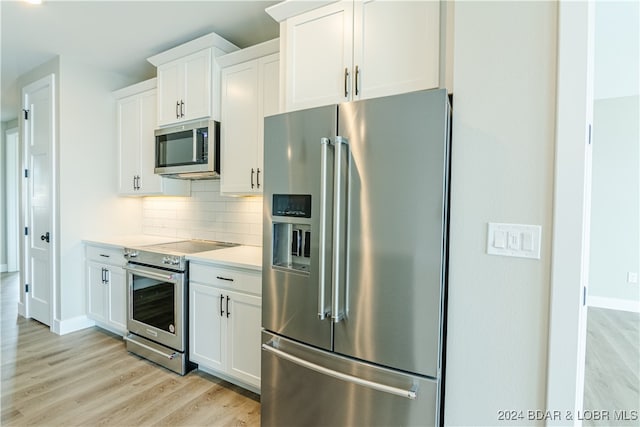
(291, 246)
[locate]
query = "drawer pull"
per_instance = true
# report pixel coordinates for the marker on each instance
(105, 256)
(224, 278)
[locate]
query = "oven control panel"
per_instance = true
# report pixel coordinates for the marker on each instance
(171, 260)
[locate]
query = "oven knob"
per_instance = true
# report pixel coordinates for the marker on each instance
(131, 254)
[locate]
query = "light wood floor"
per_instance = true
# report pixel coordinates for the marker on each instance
(87, 378)
(612, 371)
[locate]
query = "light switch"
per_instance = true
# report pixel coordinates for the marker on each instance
(499, 239)
(527, 241)
(516, 240)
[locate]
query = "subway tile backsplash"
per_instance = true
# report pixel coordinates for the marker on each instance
(205, 215)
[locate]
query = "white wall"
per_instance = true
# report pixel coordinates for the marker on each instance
(3, 199)
(205, 215)
(616, 49)
(615, 207)
(502, 171)
(88, 169)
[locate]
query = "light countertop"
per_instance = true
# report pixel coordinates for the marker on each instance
(249, 257)
(130, 241)
(239, 256)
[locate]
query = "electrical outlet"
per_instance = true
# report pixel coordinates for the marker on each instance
(632, 277)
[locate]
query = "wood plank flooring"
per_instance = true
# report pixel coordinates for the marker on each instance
(612, 371)
(87, 378)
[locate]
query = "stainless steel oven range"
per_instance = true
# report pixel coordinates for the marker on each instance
(157, 302)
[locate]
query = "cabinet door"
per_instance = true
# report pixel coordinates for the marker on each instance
(117, 293)
(396, 47)
(244, 337)
(96, 292)
(128, 143)
(149, 182)
(197, 85)
(239, 129)
(319, 52)
(170, 88)
(207, 325)
(269, 75)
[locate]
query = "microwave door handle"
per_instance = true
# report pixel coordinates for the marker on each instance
(195, 145)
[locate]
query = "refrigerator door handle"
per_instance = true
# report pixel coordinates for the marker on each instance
(336, 314)
(409, 394)
(322, 310)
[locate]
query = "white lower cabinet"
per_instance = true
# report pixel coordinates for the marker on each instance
(106, 288)
(225, 309)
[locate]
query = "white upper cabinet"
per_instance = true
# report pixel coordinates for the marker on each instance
(136, 111)
(184, 88)
(319, 56)
(352, 50)
(189, 80)
(249, 92)
(396, 47)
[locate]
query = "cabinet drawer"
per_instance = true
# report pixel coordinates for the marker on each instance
(113, 256)
(224, 277)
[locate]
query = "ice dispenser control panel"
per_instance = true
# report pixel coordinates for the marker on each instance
(291, 237)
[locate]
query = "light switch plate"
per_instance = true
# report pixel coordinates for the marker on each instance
(516, 240)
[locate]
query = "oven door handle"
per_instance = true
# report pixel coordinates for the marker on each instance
(143, 271)
(169, 356)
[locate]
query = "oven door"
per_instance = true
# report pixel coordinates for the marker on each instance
(156, 305)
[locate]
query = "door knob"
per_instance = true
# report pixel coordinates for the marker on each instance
(45, 237)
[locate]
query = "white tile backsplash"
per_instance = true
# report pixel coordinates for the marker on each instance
(205, 215)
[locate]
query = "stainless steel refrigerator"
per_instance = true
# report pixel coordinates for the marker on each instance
(356, 200)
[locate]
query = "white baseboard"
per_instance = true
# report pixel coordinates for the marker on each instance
(614, 304)
(62, 327)
(3, 268)
(22, 309)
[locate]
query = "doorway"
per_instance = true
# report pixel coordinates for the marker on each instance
(612, 372)
(12, 211)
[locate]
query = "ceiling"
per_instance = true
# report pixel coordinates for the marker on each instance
(116, 35)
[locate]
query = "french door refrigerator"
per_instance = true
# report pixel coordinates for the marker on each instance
(355, 262)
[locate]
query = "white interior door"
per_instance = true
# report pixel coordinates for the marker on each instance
(39, 138)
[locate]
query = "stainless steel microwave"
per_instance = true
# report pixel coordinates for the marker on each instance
(189, 151)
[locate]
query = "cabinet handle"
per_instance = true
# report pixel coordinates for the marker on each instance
(224, 278)
(177, 110)
(106, 276)
(258, 178)
(134, 182)
(138, 183)
(102, 270)
(252, 172)
(221, 301)
(181, 108)
(228, 306)
(346, 79)
(357, 79)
